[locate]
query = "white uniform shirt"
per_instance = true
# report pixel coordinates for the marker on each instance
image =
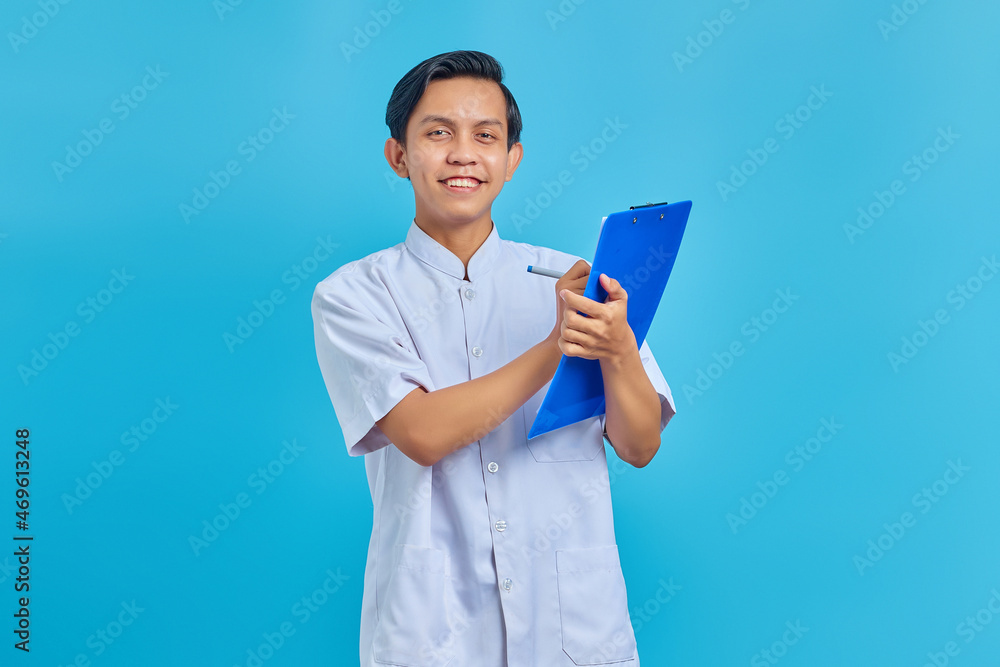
(503, 552)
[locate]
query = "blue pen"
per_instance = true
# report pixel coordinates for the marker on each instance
(544, 272)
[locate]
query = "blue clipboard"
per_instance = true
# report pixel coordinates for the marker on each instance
(637, 248)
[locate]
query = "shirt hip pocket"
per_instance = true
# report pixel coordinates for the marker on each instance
(581, 441)
(412, 628)
(593, 606)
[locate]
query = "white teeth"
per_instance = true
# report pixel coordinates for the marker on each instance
(462, 182)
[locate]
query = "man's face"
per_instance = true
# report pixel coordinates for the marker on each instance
(456, 151)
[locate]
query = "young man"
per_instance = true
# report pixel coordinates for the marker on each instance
(487, 549)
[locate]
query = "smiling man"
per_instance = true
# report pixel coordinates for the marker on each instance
(487, 548)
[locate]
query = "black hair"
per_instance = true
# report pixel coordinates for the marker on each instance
(411, 87)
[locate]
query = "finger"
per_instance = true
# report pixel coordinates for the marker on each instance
(614, 289)
(578, 286)
(578, 270)
(572, 335)
(577, 322)
(576, 350)
(580, 302)
(571, 349)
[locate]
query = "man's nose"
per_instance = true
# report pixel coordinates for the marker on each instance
(462, 150)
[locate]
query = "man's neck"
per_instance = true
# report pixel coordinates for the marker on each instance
(462, 241)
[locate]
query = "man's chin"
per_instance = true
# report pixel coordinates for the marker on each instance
(462, 212)
(453, 218)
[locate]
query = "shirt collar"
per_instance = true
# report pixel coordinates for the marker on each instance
(436, 255)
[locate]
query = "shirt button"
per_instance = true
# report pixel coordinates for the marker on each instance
(493, 467)
(477, 351)
(470, 294)
(500, 526)
(507, 584)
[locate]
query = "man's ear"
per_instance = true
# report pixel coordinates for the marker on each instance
(514, 156)
(395, 155)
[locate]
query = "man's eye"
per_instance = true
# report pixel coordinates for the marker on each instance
(432, 132)
(487, 135)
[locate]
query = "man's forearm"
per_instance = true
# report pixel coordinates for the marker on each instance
(455, 416)
(632, 409)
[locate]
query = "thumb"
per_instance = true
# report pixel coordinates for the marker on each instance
(615, 291)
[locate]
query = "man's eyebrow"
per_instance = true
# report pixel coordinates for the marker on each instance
(448, 121)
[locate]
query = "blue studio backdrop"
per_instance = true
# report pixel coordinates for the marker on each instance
(177, 176)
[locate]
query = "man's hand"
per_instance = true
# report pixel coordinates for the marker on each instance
(605, 333)
(574, 280)
(632, 424)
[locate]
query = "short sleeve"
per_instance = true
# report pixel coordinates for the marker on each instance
(667, 407)
(367, 365)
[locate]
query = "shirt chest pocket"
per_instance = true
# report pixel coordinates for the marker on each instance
(581, 441)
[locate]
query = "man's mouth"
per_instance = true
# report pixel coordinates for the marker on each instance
(463, 184)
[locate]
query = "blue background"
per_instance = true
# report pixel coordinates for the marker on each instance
(688, 124)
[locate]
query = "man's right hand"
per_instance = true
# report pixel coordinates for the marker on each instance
(575, 280)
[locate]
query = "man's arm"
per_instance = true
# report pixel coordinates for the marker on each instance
(427, 426)
(632, 408)
(632, 423)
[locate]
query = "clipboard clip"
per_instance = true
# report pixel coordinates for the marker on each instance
(646, 205)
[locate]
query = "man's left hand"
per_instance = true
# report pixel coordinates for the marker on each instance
(605, 334)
